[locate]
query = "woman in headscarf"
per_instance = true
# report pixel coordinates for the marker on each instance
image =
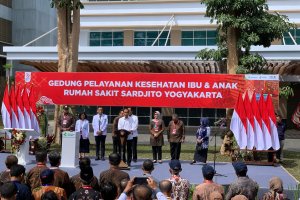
(157, 128)
(202, 137)
(276, 190)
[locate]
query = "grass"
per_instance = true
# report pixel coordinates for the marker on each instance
(145, 151)
(292, 163)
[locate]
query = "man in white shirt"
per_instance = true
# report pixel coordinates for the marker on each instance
(100, 123)
(125, 124)
(135, 134)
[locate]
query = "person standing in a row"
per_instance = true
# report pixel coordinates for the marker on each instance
(135, 123)
(83, 127)
(125, 127)
(176, 136)
(202, 137)
(116, 134)
(66, 122)
(100, 123)
(157, 127)
(281, 128)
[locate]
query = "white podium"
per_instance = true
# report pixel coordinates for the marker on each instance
(70, 149)
(23, 155)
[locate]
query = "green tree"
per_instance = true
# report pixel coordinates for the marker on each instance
(241, 24)
(68, 29)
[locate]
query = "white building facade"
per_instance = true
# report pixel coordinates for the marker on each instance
(160, 36)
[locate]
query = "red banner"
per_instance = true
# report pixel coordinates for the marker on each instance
(145, 89)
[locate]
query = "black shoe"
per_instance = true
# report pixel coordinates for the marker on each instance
(193, 162)
(97, 158)
(103, 159)
(129, 165)
(134, 160)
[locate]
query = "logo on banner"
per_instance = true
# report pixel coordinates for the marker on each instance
(27, 77)
(45, 100)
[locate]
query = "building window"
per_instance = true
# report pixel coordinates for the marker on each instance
(146, 38)
(199, 38)
(296, 35)
(106, 39)
(189, 116)
(192, 116)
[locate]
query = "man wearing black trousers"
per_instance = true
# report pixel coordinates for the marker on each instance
(176, 136)
(135, 123)
(100, 123)
(125, 129)
(116, 135)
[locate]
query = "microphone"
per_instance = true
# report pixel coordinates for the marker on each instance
(221, 122)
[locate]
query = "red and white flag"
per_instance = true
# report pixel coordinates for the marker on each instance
(6, 109)
(14, 108)
(238, 123)
(273, 123)
(250, 122)
(26, 108)
(265, 122)
(20, 108)
(33, 116)
(258, 137)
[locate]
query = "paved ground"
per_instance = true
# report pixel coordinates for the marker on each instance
(261, 174)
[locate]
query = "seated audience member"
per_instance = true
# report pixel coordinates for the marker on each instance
(76, 181)
(9, 162)
(33, 176)
(276, 190)
(165, 187)
(142, 192)
(203, 190)
(86, 191)
(8, 191)
(113, 174)
(49, 195)
(123, 183)
(148, 168)
(17, 173)
(239, 197)
(47, 179)
(109, 191)
(180, 186)
(243, 185)
(216, 196)
(61, 178)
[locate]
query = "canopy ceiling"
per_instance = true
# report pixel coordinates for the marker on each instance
(274, 67)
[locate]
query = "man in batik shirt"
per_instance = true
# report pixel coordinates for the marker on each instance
(66, 122)
(86, 191)
(33, 176)
(76, 180)
(205, 189)
(180, 186)
(243, 185)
